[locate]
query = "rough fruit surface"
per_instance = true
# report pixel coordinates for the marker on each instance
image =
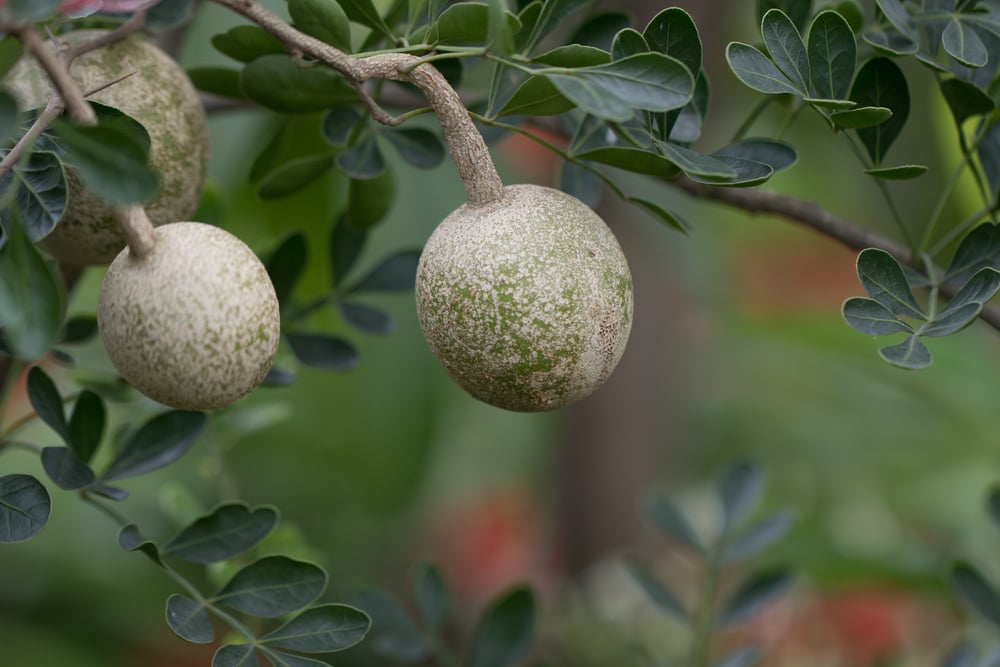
(194, 324)
(527, 302)
(160, 97)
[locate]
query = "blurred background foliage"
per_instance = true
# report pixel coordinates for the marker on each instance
(738, 352)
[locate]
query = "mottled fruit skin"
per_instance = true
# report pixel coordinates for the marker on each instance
(527, 301)
(161, 98)
(194, 324)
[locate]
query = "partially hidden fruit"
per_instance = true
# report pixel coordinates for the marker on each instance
(526, 301)
(159, 96)
(193, 324)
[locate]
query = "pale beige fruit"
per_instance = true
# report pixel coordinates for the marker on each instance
(160, 97)
(527, 301)
(194, 324)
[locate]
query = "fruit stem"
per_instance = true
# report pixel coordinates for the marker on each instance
(465, 144)
(132, 220)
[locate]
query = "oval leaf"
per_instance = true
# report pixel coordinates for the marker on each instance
(669, 519)
(273, 586)
(323, 19)
(754, 595)
(758, 537)
(911, 354)
(370, 199)
(900, 173)
(656, 591)
(431, 595)
(832, 56)
(279, 83)
(322, 629)
(246, 43)
(65, 468)
(880, 83)
(785, 45)
(740, 489)
(872, 318)
(293, 176)
(46, 401)
(24, 507)
(286, 265)
(86, 425)
(883, 279)
(41, 193)
(229, 530)
(130, 539)
(323, 352)
(777, 155)
(963, 44)
(973, 589)
(860, 117)
(189, 620)
(419, 147)
(395, 273)
(506, 630)
(366, 318)
(236, 655)
(757, 72)
(158, 443)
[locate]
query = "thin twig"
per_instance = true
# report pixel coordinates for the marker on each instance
(57, 69)
(378, 113)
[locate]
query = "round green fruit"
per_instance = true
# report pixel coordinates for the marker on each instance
(526, 301)
(160, 97)
(193, 324)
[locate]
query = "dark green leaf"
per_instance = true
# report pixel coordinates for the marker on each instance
(911, 353)
(965, 99)
(901, 172)
(161, 441)
(880, 83)
(279, 377)
(757, 72)
(221, 81)
(785, 45)
(798, 10)
(346, 243)
(698, 165)
(31, 297)
(395, 273)
(898, 17)
(972, 588)
(189, 620)
(614, 91)
(79, 329)
(41, 194)
(9, 117)
(993, 504)
(109, 492)
(65, 468)
(832, 56)
(740, 489)
(322, 629)
(86, 425)
(323, 19)
(754, 595)
(293, 176)
(979, 249)
(236, 655)
(363, 160)
(365, 13)
(627, 43)
(11, 51)
(636, 160)
(269, 156)
(110, 161)
(130, 539)
(419, 147)
(777, 155)
(246, 43)
(884, 281)
(431, 596)
(860, 117)
(667, 217)
(963, 44)
(601, 30)
(669, 519)
(872, 318)
(286, 265)
(553, 13)
(279, 83)
(506, 630)
(46, 401)
(758, 537)
(674, 33)
(890, 43)
(657, 591)
(227, 531)
(273, 586)
(323, 352)
(366, 318)
(747, 172)
(953, 321)
(469, 23)
(370, 199)
(24, 507)
(536, 97)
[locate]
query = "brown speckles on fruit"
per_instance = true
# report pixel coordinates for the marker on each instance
(160, 97)
(526, 301)
(194, 324)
